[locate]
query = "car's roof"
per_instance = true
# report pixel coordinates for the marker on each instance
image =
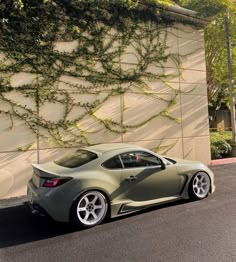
(103, 148)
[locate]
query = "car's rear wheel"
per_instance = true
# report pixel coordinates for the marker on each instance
(90, 209)
(199, 186)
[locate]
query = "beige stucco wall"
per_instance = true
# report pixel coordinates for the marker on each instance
(187, 139)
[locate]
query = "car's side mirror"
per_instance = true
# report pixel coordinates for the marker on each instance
(163, 165)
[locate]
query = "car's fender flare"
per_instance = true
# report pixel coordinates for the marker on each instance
(185, 188)
(106, 195)
(191, 178)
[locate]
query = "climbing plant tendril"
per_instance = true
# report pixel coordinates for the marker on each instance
(103, 32)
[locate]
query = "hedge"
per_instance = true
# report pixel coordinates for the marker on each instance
(220, 144)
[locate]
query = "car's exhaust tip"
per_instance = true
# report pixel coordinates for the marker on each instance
(37, 210)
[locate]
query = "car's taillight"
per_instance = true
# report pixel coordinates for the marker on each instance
(54, 182)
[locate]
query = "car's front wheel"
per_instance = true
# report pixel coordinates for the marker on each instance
(199, 186)
(90, 209)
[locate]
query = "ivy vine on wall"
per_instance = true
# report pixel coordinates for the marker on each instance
(102, 33)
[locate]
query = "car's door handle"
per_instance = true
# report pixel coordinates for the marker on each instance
(131, 178)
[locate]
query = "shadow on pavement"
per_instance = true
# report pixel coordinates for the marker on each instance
(19, 226)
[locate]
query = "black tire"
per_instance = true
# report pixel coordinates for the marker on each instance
(199, 186)
(89, 210)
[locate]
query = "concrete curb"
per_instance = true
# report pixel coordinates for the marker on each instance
(223, 161)
(12, 202)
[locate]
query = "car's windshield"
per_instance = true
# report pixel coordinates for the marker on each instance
(76, 159)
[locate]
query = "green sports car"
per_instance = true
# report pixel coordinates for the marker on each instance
(109, 180)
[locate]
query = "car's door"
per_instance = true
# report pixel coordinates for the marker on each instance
(143, 177)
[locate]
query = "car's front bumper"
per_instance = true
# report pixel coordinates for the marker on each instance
(213, 189)
(212, 177)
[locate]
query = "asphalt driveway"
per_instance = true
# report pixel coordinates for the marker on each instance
(184, 231)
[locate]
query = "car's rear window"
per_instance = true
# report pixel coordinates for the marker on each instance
(76, 159)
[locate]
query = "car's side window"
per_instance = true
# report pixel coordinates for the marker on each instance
(113, 163)
(139, 159)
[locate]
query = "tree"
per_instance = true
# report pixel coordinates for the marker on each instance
(215, 45)
(208, 8)
(216, 58)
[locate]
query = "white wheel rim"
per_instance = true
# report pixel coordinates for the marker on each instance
(201, 185)
(91, 208)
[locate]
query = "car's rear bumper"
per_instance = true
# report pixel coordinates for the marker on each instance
(36, 209)
(48, 202)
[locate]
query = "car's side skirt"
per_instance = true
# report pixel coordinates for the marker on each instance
(123, 207)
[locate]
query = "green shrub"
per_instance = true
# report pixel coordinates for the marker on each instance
(220, 144)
